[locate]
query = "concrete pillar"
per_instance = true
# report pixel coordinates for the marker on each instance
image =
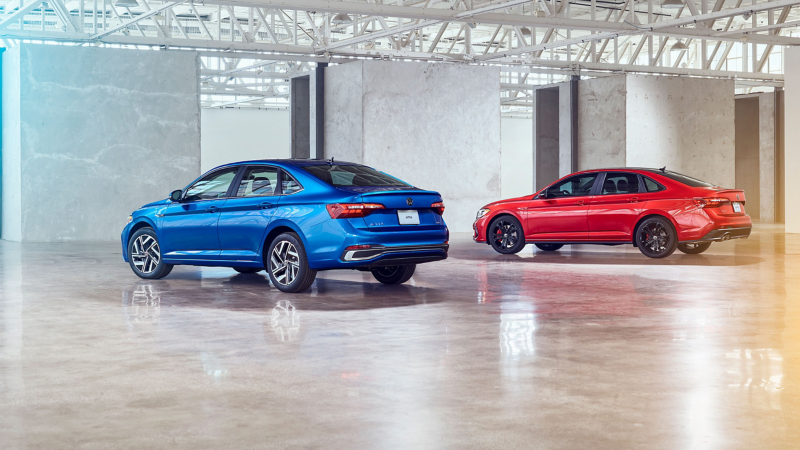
(602, 119)
(546, 137)
(115, 128)
(568, 127)
(415, 122)
(300, 108)
(792, 139)
(766, 156)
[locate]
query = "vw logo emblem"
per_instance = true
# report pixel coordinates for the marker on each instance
(409, 202)
(737, 196)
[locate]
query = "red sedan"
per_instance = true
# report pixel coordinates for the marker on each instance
(654, 209)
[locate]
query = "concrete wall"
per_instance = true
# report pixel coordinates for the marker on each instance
(516, 159)
(90, 134)
(436, 126)
(243, 134)
(686, 124)
(766, 159)
(601, 123)
(792, 138)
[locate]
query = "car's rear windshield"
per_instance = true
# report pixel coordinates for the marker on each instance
(346, 175)
(685, 179)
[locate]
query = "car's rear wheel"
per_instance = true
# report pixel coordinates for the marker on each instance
(656, 238)
(144, 255)
(287, 264)
(394, 274)
(549, 247)
(247, 269)
(506, 235)
(694, 248)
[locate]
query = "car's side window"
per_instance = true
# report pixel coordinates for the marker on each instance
(213, 186)
(652, 186)
(620, 183)
(258, 181)
(289, 185)
(573, 186)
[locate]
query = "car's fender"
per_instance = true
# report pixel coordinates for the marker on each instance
(281, 223)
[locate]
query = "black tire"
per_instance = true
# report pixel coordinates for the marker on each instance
(549, 247)
(292, 273)
(506, 236)
(394, 274)
(144, 255)
(656, 238)
(247, 269)
(694, 248)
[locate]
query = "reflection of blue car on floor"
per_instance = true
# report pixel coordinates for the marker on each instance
(292, 217)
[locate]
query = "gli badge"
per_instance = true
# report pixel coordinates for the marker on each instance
(409, 201)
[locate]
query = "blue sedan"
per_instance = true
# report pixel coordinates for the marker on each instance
(292, 218)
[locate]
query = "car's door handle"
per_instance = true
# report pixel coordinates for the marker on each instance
(634, 199)
(579, 202)
(212, 209)
(266, 205)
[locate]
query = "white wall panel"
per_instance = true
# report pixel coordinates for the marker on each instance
(229, 135)
(516, 159)
(792, 138)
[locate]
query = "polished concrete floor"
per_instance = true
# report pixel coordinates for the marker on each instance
(589, 348)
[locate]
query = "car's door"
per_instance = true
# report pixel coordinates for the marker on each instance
(244, 217)
(559, 212)
(615, 208)
(189, 227)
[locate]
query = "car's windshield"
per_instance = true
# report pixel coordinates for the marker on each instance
(347, 175)
(685, 179)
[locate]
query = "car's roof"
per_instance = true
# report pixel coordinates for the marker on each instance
(290, 162)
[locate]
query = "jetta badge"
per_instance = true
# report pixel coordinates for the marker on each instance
(409, 202)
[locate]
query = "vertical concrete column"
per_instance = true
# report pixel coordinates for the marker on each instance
(792, 139)
(567, 127)
(547, 147)
(766, 156)
(300, 109)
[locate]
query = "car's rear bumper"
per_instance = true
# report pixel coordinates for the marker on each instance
(724, 234)
(394, 255)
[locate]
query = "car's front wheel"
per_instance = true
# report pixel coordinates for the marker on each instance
(506, 235)
(394, 274)
(144, 255)
(656, 238)
(694, 248)
(287, 264)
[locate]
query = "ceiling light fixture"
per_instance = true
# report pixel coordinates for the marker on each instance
(526, 32)
(679, 46)
(341, 19)
(126, 3)
(672, 4)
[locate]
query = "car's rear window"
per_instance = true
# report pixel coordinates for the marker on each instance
(685, 179)
(346, 175)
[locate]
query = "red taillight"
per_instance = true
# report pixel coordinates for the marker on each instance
(359, 247)
(710, 202)
(351, 210)
(438, 208)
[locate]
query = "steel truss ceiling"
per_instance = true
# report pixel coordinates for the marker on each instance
(250, 48)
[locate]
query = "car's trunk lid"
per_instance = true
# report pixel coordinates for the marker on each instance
(396, 200)
(734, 195)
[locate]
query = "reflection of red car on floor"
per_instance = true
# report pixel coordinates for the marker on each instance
(655, 209)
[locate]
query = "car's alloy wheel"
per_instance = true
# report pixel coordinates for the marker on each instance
(656, 238)
(144, 255)
(287, 264)
(694, 248)
(394, 274)
(506, 235)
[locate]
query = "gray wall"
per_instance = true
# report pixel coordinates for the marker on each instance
(436, 126)
(91, 134)
(601, 123)
(766, 156)
(686, 124)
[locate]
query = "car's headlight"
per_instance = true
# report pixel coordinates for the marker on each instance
(130, 218)
(482, 212)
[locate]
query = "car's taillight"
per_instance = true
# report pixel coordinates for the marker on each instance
(710, 202)
(351, 210)
(438, 208)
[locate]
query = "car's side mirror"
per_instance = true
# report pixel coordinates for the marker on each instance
(175, 196)
(543, 194)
